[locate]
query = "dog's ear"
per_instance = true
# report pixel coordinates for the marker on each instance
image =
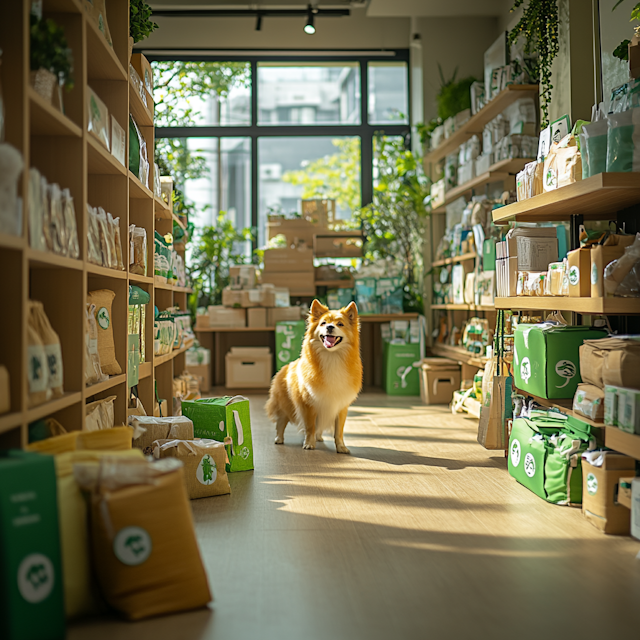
(317, 310)
(352, 312)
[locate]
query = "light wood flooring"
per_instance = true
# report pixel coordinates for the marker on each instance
(419, 533)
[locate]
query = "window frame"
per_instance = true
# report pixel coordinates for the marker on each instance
(365, 131)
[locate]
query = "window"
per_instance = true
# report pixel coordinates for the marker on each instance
(248, 137)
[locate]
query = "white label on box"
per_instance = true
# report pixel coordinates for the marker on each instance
(118, 141)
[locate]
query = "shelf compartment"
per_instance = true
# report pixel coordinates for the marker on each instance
(99, 387)
(462, 258)
(478, 121)
(10, 421)
(101, 161)
(105, 272)
(596, 198)
(134, 277)
(53, 406)
(158, 360)
(585, 306)
(46, 120)
(137, 189)
(171, 287)
(459, 354)
(162, 210)
(623, 442)
(11, 242)
(46, 259)
(102, 62)
(463, 307)
(138, 110)
(144, 370)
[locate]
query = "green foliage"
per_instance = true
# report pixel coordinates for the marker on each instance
(453, 97)
(334, 176)
(50, 51)
(425, 130)
(539, 26)
(394, 223)
(140, 25)
(214, 250)
(622, 50)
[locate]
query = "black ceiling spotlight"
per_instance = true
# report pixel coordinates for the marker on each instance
(259, 21)
(309, 27)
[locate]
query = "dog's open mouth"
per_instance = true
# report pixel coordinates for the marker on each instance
(331, 341)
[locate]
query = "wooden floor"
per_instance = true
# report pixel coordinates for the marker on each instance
(420, 533)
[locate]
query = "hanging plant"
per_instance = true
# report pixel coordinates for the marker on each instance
(622, 50)
(539, 26)
(49, 50)
(140, 25)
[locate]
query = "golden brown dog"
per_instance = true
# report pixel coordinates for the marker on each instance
(316, 390)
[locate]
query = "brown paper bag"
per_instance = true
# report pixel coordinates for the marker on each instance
(52, 349)
(144, 546)
(103, 299)
(152, 428)
(204, 465)
(495, 412)
(37, 368)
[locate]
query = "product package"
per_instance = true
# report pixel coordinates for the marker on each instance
(589, 402)
(401, 365)
(611, 361)
(99, 121)
(51, 345)
(622, 276)
(100, 414)
(11, 166)
(151, 428)
(227, 420)
(623, 141)
(138, 156)
(289, 338)
(204, 465)
(137, 250)
(103, 300)
(144, 567)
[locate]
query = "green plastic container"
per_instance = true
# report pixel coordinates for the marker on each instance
(227, 420)
(547, 359)
(289, 339)
(32, 602)
(401, 364)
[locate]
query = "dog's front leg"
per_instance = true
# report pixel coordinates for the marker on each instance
(340, 420)
(309, 417)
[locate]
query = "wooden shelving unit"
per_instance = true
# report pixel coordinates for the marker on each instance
(627, 443)
(459, 354)
(463, 307)
(477, 122)
(61, 148)
(454, 260)
(585, 306)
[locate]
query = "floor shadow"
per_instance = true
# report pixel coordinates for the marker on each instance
(394, 457)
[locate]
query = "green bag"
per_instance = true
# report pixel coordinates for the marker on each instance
(547, 360)
(528, 451)
(227, 420)
(401, 365)
(289, 339)
(32, 603)
(563, 470)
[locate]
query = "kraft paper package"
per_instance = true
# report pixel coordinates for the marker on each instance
(143, 542)
(622, 276)
(589, 402)
(204, 465)
(103, 300)
(152, 428)
(227, 420)
(611, 361)
(115, 439)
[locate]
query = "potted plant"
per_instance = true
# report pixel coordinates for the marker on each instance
(51, 60)
(140, 25)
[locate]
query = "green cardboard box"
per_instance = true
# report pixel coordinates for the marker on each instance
(32, 602)
(547, 361)
(611, 405)
(227, 420)
(489, 255)
(289, 339)
(401, 369)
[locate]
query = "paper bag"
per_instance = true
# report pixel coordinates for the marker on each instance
(495, 412)
(154, 428)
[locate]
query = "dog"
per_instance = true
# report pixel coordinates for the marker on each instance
(316, 390)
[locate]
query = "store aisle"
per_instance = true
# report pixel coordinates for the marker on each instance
(420, 533)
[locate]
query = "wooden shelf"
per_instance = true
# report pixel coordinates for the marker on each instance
(387, 317)
(562, 404)
(102, 62)
(462, 258)
(464, 307)
(137, 189)
(53, 406)
(11, 242)
(106, 272)
(139, 111)
(178, 222)
(41, 259)
(477, 122)
(158, 360)
(459, 354)
(145, 370)
(46, 120)
(235, 329)
(499, 172)
(162, 210)
(623, 442)
(585, 306)
(596, 198)
(100, 161)
(134, 277)
(99, 387)
(171, 287)
(10, 421)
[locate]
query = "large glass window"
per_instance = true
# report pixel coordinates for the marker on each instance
(388, 93)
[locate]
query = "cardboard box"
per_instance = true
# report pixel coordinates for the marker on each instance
(401, 369)
(533, 253)
(439, 379)
(297, 231)
(249, 368)
(243, 276)
(286, 260)
(611, 406)
(282, 314)
(289, 339)
(257, 317)
(589, 402)
(203, 373)
(338, 246)
(224, 317)
(243, 298)
(624, 491)
(547, 362)
(600, 503)
(579, 268)
(299, 284)
(629, 410)
(203, 321)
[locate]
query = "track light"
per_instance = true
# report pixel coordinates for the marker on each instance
(309, 28)
(259, 22)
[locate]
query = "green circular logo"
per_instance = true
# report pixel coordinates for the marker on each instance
(35, 578)
(132, 546)
(592, 485)
(103, 318)
(574, 275)
(245, 453)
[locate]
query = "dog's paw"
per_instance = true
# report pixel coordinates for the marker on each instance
(319, 437)
(341, 448)
(279, 440)
(308, 445)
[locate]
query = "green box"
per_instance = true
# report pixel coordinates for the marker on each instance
(227, 420)
(489, 255)
(289, 339)
(547, 361)
(339, 298)
(401, 365)
(32, 602)
(629, 410)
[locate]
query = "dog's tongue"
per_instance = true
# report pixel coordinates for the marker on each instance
(329, 341)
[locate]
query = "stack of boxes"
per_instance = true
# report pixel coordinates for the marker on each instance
(292, 268)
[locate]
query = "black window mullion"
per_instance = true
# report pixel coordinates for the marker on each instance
(366, 140)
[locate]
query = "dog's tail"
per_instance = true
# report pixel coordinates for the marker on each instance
(276, 389)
